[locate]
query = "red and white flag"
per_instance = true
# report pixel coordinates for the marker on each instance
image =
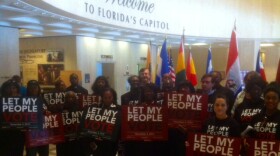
(259, 66)
(233, 66)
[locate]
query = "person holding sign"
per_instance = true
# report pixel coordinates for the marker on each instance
(185, 87)
(178, 136)
(219, 89)
(75, 87)
(221, 124)
(55, 99)
(12, 140)
(219, 131)
(252, 103)
(107, 145)
(207, 87)
(71, 146)
(133, 97)
(59, 86)
(99, 85)
(266, 125)
(34, 89)
(146, 124)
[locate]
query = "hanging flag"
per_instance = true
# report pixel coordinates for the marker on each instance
(209, 67)
(233, 67)
(171, 68)
(191, 73)
(162, 64)
(259, 66)
(149, 62)
(278, 73)
(181, 66)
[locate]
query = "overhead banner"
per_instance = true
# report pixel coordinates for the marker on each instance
(263, 147)
(71, 122)
(187, 111)
(203, 144)
(51, 133)
(21, 112)
(89, 100)
(148, 123)
(102, 123)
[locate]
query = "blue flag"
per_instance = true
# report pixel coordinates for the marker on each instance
(162, 64)
(209, 67)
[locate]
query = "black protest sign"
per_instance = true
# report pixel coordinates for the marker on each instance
(71, 122)
(102, 123)
(54, 100)
(21, 112)
(51, 133)
(89, 100)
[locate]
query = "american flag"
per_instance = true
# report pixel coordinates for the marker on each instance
(171, 67)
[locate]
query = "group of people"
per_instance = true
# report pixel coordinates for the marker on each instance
(253, 112)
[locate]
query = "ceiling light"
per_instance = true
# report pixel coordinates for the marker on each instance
(5, 23)
(27, 35)
(26, 20)
(114, 33)
(132, 36)
(267, 44)
(89, 29)
(33, 27)
(33, 33)
(199, 44)
(62, 31)
(61, 25)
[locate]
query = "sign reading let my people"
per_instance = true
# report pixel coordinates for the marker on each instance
(145, 122)
(187, 111)
(21, 112)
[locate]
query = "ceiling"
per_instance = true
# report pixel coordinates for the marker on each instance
(35, 22)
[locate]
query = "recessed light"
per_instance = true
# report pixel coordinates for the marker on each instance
(27, 35)
(62, 31)
(114, 33)
(199, 44)
(89, 29)
(61, 25)
(26, 20)
(266, 44)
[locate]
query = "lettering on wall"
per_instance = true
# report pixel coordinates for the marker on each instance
(143, 7)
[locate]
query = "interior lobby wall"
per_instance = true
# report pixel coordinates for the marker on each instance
(83, 53)
(9, 53)
(272, 56)
(65, 43)
(125, 56)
